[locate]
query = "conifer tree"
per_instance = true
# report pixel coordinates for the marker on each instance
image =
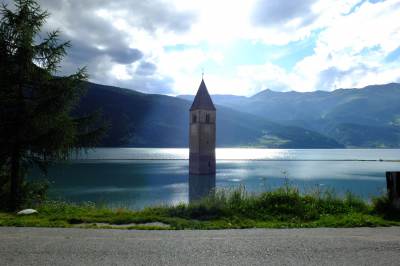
(36, 126)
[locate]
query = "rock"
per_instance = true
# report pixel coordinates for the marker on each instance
(27, 212)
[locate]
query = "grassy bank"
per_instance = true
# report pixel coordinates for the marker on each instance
(282, 208)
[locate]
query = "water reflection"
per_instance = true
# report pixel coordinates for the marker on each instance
(200, 186)
(241, 154)
(137, 178)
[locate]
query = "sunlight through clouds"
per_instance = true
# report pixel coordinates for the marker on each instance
(243, 46)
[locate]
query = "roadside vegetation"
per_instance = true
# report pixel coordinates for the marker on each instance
(285, 207)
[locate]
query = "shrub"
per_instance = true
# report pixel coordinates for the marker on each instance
(383, 206)
(33, 193)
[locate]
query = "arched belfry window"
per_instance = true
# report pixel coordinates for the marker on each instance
(207, 118)
(194, 119)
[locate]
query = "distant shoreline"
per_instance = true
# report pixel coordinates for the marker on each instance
(261, 160)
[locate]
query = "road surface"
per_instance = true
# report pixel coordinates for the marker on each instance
(52, 246)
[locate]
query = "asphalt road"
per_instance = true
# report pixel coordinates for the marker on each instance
(51, 246)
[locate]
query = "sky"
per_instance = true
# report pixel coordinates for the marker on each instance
(243, 46)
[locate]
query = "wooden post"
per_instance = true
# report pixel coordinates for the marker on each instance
(393, 188)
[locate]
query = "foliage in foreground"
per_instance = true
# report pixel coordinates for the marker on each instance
(282, 208)
(36, 127)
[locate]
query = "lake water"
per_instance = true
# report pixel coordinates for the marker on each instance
(135, 178)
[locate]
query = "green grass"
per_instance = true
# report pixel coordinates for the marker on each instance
(282, 208)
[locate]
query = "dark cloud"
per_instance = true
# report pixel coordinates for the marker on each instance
(273, 13)
(124, 56)
(152, 15)
(91, 36)
(82, 53)
(146, 69)
(98, 45)
(149, 15)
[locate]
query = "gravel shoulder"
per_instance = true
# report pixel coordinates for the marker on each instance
(318, 246)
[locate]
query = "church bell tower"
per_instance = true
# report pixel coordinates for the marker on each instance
(202, 133)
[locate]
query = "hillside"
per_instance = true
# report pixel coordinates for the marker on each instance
(152, 120)
(367, 117)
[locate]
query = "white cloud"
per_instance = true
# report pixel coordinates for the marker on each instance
(265, 76)
(120, 72)
(350, 52)
(350, 48)
(123, 42)
(356, 46)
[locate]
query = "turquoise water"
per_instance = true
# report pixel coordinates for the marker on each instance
(135, 178)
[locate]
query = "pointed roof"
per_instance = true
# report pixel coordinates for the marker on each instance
(202, 100)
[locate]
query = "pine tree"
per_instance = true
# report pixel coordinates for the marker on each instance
(35, 104)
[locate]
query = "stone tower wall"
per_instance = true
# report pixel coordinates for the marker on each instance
(202, 142)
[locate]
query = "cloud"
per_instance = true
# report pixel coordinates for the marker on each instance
(332, 77)
(244, 46)
(266, 76)
(146, 68)
(149, 15)
(125, 56)
(270, 13)
(350, 51)
(113, 39)
(282, 22)
(353, 49)
(83, 52)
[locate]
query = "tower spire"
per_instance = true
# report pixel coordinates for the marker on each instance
(202, 100)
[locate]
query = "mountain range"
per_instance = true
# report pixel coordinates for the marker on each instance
(367, 117)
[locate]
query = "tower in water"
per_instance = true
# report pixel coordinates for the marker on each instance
(202, 134)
